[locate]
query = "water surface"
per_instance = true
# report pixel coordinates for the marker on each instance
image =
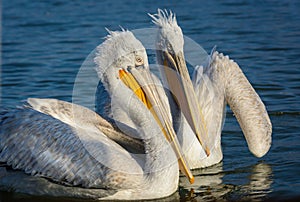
(44, 44)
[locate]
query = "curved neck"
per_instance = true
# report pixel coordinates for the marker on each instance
(160, 162)
(161, 168)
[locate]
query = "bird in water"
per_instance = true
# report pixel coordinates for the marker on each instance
(198, 104)
(73, 146)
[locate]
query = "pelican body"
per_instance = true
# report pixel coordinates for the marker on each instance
(73, 146)
(198, 104)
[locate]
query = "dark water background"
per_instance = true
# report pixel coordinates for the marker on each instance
(45, 42)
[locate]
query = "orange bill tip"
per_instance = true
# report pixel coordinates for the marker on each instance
(207, 151)
(192, 180)
(122, 73)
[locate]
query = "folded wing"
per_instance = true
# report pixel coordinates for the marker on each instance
(45, 146)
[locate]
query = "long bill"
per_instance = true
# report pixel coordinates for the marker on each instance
(141, 83)
(181, 87)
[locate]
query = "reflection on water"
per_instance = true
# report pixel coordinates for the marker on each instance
(209, 185)
(260, 181)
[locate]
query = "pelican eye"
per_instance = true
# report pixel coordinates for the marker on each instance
(139, 61)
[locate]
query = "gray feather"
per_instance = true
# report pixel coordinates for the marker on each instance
(22, 183)
(44, 146)
(76, 115)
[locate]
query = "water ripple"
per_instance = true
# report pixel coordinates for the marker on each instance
(45, 42)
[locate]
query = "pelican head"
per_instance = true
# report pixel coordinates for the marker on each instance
(122, 60)
(127, 52)
(169, 53)
(170, 34)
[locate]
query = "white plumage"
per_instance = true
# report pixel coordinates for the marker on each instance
(218, 83)
(72, 145)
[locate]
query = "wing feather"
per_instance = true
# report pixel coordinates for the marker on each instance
(26, 184)
(44, 146)
(79, 116)
(210, 93)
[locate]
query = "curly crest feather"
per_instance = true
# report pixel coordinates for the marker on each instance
(163, 18)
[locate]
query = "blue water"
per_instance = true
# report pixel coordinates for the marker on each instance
(44, 44)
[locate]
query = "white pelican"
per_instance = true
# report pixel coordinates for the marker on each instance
(70, 144)
(203, 100)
